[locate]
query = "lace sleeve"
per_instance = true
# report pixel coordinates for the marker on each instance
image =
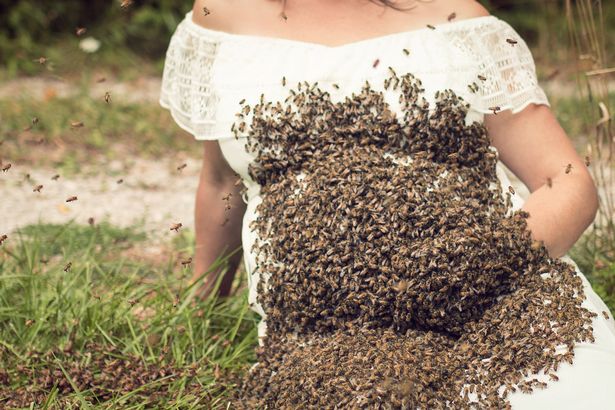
(187, 90)
(509, 71)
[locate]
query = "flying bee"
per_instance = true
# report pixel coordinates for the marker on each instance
(406, 51)
(119, 181)
(68, 266)
(71, 199)
(431, 27)
(511, 41)
(284, 16)
(176, 301)
(511, 190)
(549, 182)
(41, 60)
(568, 168)
(44, 260)
(337, 87)
(206, 11)
(3, 238)
(243, 100)
(76, 124)
(186, 262)
(284, 81)
(182, 166)
(101, 80)
(37, 188)
(6, 167)
(482, 77)
(132, 302)
(55, 177)
(29, 322)
(587, 160)
(107, 97)
(605, 314)
(126, 3)
(27, 176)
(451, 16)
(495, 109)
(175, 227)
(376, 62)
(80, 31)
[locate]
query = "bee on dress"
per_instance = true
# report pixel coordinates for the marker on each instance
(495, 109)
(482, 77)
(283, 82)
(55, 177)
(431, 26)
(182, 166)
(376, 62)
(511, 190)
(406, 51)
(511, 41)
(337, 87)
(175, 227)
(71, 199)
(473, 87)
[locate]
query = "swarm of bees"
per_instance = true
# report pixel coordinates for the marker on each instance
(410, 263)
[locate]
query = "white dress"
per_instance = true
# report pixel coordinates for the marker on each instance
(208, 72)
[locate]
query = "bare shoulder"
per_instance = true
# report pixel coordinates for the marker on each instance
(465, 9)
(213, 14)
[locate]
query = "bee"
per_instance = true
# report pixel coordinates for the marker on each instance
(587, 160)
(605, 314)
(119, 181)
(132, 302)
(6, 167)
(44, 260)
(376, 62)
(206, 11)
(101, 80)
(29, 322)
(107, 97)
(182, 166)
(227, 196)
(482, 78)
(451, 16)
(431, 27)
(284, 81)
(549, 182)
(284, 16)
(176, 301)
(37, 188)
(55, 177)
(126, 3)
(68, 266)
(473, 87)
(71, 199)
(511, 41)
(186, 262)
(406, 51)
(91, 220)
(568, 168)
(511, 190)
(27, 176)
(225, 221)
(80, 31)
(41, 60)
(76, 124)
(175, 227)
(243, 100)
(3, 238)
(495, 109)
(34, 122)
(337, 87)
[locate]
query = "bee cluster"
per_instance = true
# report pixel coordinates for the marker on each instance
(394, 272)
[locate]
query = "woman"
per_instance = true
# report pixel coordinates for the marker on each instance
(271, 87)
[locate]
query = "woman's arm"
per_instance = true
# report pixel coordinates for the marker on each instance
(214, 236)
(533, 145)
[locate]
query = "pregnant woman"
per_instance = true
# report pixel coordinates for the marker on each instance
(390, 260)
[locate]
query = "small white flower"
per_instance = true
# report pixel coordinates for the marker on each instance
(89, 45)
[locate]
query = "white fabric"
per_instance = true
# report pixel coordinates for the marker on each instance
(207, 73)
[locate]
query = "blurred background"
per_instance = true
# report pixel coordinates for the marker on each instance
(79, 116)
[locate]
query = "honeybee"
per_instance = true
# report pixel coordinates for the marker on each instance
(587, 160)
(568, 168)
(431, 27)
(243, 100)
(76, 124)
(29, 322)
(71, 199)
(337, 87)
(37, 188)
(186, 262)
(42, 60)
(482, 77)
(553, 377)
(107, 97)
(376, 62)
(284, 81)
(549, 182)
(6, 167)
(80, 31)
(495, 109)
(284, 16)
(605, 314)
(91, 220)
(451, 16)
(175, 227)
(126, 3)
(406, 51)
(3, 238)
(176, 301)
(68, 266)
(511, 41)
(511, 190)
(55, 177)
(182, 166)
(132, 302)
(225, 221)
(101, 80)
(206, 11)
(473, 87)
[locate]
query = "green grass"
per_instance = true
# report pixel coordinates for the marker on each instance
(109, 131)
(42, 307)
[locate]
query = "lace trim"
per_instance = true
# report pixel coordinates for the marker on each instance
(187, 90)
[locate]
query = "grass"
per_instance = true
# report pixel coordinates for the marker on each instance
(109, 131)
(128, 307)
